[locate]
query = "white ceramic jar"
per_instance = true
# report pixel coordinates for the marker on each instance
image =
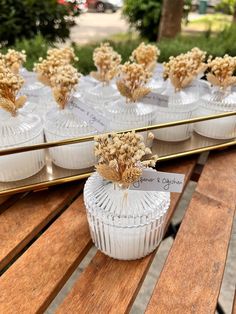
(124, 224)
(22, 130)
(66, 124)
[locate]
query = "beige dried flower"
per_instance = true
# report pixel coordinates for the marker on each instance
(221, 71)
(119, 157)
(184, 68)
(67, 54)
(14, 59)
(63, 82)
(10, 84)
(132, 80)
(146, 55)
(55, 58)
(198, 58)
(107, 62)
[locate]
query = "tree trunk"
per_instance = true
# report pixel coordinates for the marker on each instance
(170, 24)
(234, 16)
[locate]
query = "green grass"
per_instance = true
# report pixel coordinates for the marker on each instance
(216, 22)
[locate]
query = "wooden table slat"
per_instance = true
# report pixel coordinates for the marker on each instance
(234, 304)
(218, 179)
(31, 283)
(20, 223)
(108, 285)
(191, 278)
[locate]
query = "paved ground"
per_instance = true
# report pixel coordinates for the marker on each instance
(93, 26)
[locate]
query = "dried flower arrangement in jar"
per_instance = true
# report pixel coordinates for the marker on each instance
(17, 129)
(63, 122)
(220, 99)
(39, 93)
(129, 112)
(124, 223)
(147, 55)
(107, 62)
(63, 83)
(14, 59)
(45, 68)
(180, 97)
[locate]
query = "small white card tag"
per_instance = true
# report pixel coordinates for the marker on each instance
(152, 180)
(153, 98)
(94, 119)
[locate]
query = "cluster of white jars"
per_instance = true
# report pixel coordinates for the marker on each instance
(27, 128)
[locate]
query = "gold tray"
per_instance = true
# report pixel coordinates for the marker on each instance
(52, 175)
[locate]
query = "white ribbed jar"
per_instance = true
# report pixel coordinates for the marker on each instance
(215, 103)
(124, 116)
(124, 224)
(39, 99)
(100, 95)
(179, 106)
(21, 130)
(66, 124)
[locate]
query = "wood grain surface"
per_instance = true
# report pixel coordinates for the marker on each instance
(31, 283)
(110, 286)
(234, 305)
(25, 218)
(218, 180)
(191, 279)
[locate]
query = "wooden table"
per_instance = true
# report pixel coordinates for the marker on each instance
(44, 236)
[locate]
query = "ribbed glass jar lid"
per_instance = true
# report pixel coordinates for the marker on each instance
(121, 207)
(101, 93)
(121, 110)
(17, 130)
(225, 99)
(66, 123)
(183, 98)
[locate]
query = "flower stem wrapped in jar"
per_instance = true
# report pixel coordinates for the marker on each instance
(221, 98)
(17, 129)
(63, 123)
(124, 224)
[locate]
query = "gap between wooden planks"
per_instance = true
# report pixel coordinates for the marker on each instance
(191, 278)
(110, 286)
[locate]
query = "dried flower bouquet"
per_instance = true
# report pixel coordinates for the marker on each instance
(10, 85)
(45, 68)
(107, 62)
(131, 81)
(222, 71)
(146, 55)
(13, 59)
(119, 157)
(184, 68)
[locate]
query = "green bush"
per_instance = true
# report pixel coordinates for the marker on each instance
(144, 15)
(223, 43)
(26, 18)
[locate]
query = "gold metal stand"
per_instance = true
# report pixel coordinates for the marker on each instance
(52, 175)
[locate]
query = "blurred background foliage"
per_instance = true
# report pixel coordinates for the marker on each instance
(21, 19)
